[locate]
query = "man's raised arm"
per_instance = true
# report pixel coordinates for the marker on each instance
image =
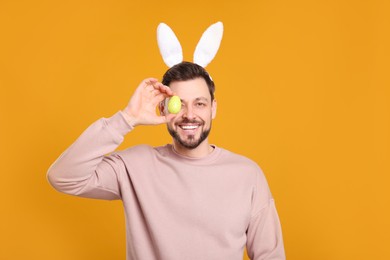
(84, 169)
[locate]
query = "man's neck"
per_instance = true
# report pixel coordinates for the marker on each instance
(201, 151)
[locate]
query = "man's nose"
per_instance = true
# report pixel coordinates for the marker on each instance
(188, 112)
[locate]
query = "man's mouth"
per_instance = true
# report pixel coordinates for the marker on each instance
(189, 126)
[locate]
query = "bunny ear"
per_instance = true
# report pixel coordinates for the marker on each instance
(169, 45)
(208, 44)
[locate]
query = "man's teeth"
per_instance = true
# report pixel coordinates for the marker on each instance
(189, 127)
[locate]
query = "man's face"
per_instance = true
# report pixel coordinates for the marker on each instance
(192, 124)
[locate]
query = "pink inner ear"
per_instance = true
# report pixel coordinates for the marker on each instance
(208, 44)
(169, 45)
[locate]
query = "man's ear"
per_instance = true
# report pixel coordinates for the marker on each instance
(214, 109)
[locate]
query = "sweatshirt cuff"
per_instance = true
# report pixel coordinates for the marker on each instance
(119, 123)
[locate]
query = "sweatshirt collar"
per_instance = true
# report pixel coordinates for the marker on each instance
(200, 160)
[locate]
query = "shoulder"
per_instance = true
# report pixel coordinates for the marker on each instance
(138, 151)
(142, 151)
(242, 164)
(239, 159)
(247, 168)
(139, 156)
(255, 174)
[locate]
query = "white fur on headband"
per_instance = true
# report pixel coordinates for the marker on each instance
(205, 51)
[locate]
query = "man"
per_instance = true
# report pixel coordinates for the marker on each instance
(185, 200)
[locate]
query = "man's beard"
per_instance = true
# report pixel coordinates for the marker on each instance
(191, 142)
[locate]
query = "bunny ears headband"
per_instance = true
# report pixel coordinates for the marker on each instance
(205, 51)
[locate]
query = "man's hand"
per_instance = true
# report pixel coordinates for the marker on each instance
(141, 109)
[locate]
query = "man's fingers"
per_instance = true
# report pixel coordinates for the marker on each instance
(158, 98)
(155, 92)
(150, 81)
(162, 120)
(157, 85)
(162, 88)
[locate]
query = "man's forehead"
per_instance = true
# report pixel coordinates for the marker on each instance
(199, 82)
(191, 89)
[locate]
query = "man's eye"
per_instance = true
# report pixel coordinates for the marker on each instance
(200, 104)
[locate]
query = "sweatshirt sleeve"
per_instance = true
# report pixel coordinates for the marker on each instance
(85, 169)
(264, 234)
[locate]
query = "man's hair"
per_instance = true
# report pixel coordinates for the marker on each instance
(187, 71)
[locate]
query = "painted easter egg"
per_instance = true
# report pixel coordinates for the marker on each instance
(174, 105)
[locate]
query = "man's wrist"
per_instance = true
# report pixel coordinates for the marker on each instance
(129, 119)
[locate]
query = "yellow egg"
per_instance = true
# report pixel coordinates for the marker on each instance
(174, 105)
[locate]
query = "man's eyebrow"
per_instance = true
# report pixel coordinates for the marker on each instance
(201, 98)
(197, 99)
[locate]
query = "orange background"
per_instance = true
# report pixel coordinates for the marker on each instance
(302, 86)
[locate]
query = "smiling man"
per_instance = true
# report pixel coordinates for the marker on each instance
(193, 124)
(186, 200)
(191, 127)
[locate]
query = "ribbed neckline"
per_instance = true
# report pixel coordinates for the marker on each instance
(197, 161)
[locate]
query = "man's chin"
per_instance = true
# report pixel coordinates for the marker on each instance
(189, 141)
(189, 144)
(185, 141)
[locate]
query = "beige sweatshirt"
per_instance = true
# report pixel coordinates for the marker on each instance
(177, 208)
